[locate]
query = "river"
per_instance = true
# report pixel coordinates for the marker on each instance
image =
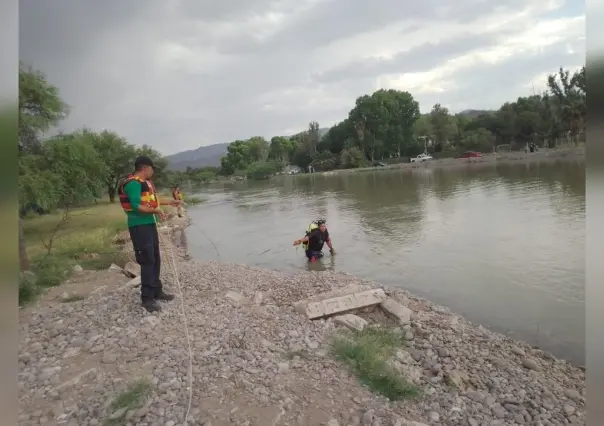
(502, 244)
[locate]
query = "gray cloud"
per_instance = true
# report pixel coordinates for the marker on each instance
(421, 58)
(182, 73)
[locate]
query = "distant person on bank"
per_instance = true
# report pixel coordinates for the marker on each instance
(177, 195)
(141, 204)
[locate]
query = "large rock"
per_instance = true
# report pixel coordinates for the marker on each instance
(350, 321)
(346, 303)
(394, 309)
(132, 270)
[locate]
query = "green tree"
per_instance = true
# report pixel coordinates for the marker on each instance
(40, 109)
(442, 128)
(238, 157)
(118, 156)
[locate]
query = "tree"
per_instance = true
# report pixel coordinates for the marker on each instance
(258, 148)
(384, 120)
(118, 156)
(441, 125)
(40, 108)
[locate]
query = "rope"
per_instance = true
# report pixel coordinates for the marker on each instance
(186, 326)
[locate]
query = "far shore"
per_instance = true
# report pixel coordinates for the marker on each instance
(544, 155)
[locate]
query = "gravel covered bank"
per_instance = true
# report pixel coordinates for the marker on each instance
(258, 362)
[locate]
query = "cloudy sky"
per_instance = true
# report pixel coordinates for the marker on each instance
(177, 74)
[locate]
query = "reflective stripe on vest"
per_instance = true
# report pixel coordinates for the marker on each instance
(148, 195)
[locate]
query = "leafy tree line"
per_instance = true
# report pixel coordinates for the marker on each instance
(68, 169)
(388, 125)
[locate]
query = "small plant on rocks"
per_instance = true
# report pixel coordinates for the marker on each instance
(128, 400)
(367, 352)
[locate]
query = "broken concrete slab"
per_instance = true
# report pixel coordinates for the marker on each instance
(114, 267)
(237, 299)
(341, 304)
(351, 321)
(397, 311)
(132, 270)
(349, 289)
(135, 282)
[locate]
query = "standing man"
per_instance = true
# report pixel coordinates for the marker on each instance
(177, 195)
(141, 203)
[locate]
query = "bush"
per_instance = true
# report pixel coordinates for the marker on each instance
(262, 170)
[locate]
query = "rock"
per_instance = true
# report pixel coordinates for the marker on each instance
(531, 364)
(516, 350)
(408, 335)
(118, 414)
(433, 416)
(283, 367)
(333, 422)
(394, 309)
(77, 268)
(368, 418)
(132, 270)
(568, 409)
(114, 267)
(572, 394)
(350, 321)
(236, 299)
(258, 298)
(456, 379)
(335, 305)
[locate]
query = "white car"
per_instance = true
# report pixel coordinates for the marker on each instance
(421, 158)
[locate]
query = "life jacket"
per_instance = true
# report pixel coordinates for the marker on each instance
(148, 195)
(176, 194)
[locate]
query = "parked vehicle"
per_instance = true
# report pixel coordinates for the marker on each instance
(379, 164)
(470, 154)
(421, 158)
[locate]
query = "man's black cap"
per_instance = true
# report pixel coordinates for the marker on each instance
(143, 160)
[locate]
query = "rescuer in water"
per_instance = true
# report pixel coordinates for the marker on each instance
(316, 236)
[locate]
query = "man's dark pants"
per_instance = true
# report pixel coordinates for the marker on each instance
(145, 241)
(314, 254)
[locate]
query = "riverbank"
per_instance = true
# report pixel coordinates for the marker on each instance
(90, 355)
(545, 155)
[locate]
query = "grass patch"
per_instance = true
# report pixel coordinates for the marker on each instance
(367, 354)
(72, 298)
(57, 241)
(127, 400)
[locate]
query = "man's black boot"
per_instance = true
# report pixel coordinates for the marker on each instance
(151, 305)
(164, 296)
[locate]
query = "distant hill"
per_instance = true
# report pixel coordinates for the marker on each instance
(205, 156)
(473, 113)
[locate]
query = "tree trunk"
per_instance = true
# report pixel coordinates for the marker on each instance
(111, 192)
(23, 258)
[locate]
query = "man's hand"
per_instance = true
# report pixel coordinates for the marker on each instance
(297, 242)
(162, 215)
(332, 251)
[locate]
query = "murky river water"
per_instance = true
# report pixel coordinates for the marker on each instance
(502, 245)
